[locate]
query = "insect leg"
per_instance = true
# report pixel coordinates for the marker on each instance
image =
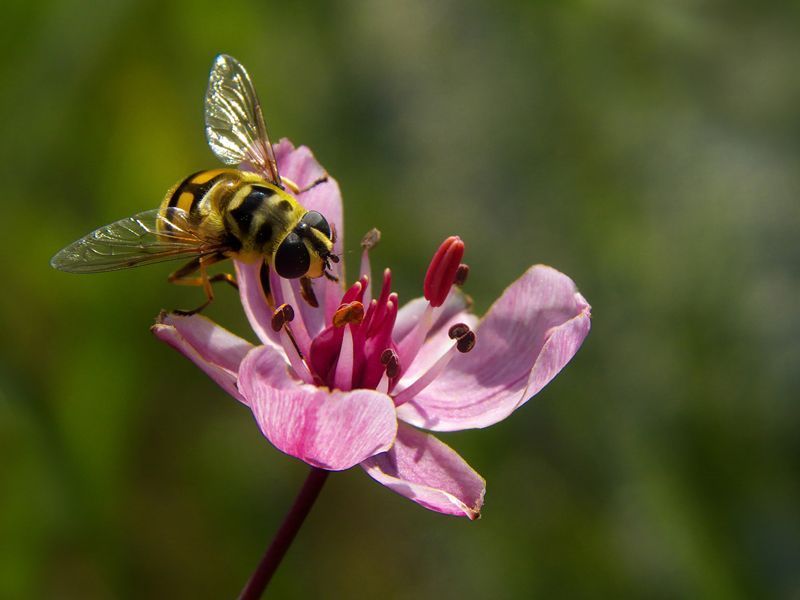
(183, 276)
(296, 190)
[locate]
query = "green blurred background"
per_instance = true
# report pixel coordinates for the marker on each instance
(648, 150)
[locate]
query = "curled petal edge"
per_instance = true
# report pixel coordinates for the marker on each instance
(214, 349)
(427, 471)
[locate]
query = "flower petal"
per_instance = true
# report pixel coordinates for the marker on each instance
(529, 334)
(214, 349)
(332, 430)
(251, 292)
(299, 165)
(429, 472)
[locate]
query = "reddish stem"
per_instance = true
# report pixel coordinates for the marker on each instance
(283, 539)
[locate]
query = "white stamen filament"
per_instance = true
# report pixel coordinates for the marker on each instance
(298, 364)
(424, 380)
(383, 384)
(343, 378)
(409, 347)
(299, 327)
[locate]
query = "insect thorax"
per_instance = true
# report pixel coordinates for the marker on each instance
(259, 215)
(251, 215)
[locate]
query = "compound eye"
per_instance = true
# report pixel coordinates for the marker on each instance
(292, 259)
(313, 219)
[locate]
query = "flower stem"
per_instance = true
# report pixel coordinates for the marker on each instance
(283, 539)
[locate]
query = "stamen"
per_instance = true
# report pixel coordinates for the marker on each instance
(391, 361)
(281, 318)
(352, 312)
(300, 330)
(442, 270)
(409, 346)
(299, 366)
(343, 377)
(282, 315)
(368, 242)
(383, 384)
(464, 336)
(371, 239)
(457, 330)
(466, 342)
(461, 275)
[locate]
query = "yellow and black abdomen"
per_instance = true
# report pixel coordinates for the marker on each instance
(193, 194)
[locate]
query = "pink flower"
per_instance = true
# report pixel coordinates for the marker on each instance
(354, 380)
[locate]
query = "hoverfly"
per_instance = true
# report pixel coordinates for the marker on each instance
(221, 213)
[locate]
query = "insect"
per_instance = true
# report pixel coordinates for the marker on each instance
(222, 213)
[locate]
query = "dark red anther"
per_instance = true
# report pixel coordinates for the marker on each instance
(442, 270)
(464, 336)
(461, 275)
(282, 315)
(466, 342)
(457, 330)
(391, 361)
(353, 312)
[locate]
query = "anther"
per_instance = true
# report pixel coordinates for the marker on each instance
(461, 275)
(283, 314)
(371, 239)
(391, 361)
(458, 330)
(442, 270)
(464, 336)
(352, 312)
(466, 342)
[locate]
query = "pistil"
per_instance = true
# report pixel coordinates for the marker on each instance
(444, 270)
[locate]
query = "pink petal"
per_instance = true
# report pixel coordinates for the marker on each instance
(254, 302)
(525, 339)
(429, 472)
(214, 349)
(332, 430)
(302, 168)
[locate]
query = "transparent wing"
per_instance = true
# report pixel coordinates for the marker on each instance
(235, 127)
(142, 239)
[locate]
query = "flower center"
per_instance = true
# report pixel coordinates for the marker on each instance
(357, 349)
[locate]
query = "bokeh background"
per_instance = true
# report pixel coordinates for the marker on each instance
(648, 150)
